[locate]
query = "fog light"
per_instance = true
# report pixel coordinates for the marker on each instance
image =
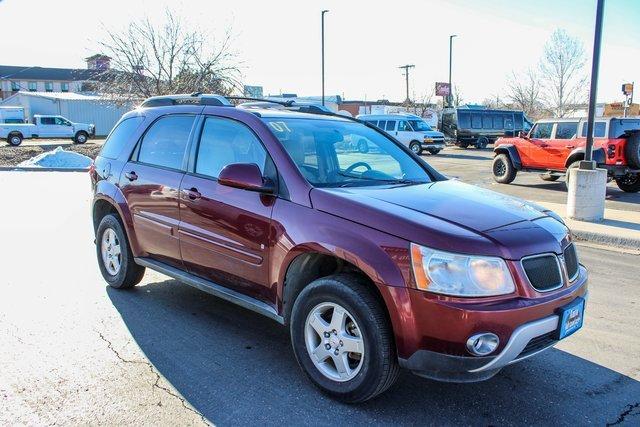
(482, 344)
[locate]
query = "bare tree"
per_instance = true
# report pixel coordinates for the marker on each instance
(563, 75)
(422, 103)
(457, 96)
(525, 92)
(170, 58)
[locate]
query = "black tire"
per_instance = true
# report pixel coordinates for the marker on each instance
(379, 369)
(482, 143)
(415, 147)
(433, 151)
(629, 183)
(574, 165)
(129, 273)
(463, 145)
(549, 177)
(81, 137)
(14, 139)
(503, 170)
(632, 150)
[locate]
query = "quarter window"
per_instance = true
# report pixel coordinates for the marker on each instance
(119, 137)
(224, 142)
(165, 142)
(542, 130)
(566, 130)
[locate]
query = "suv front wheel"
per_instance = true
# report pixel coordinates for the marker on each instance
(503, 170)
(342, 339)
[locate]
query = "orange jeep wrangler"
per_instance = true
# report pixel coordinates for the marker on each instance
(555, 145)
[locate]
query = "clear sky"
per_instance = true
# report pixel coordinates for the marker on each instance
(279, 41)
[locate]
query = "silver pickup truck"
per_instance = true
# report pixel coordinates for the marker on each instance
(46, 127)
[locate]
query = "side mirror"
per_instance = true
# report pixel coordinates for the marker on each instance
(246, 176)
(523, 134)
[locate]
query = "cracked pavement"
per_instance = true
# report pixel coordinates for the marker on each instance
(75, 352)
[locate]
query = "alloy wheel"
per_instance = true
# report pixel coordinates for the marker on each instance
(499, 169)
(111, 251)
(334, 342)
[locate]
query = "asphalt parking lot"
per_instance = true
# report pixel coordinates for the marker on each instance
(78, 352)
(474, 166)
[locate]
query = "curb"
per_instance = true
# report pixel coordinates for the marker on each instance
(40, 169)
(606, 239)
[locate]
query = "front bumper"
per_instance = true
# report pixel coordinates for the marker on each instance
(535, 333)
(438, 145)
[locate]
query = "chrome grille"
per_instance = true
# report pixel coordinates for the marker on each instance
(543, 271)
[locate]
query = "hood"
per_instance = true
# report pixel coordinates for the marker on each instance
(433, 134)
(449, 215)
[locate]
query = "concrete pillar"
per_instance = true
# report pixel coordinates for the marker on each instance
(587, 190)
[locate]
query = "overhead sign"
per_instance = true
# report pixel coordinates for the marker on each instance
(627, 89)
(443, 89)
(253, 91)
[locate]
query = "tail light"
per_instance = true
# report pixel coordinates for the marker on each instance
(611, 151)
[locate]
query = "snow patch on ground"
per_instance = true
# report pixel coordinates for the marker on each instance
(58, 158)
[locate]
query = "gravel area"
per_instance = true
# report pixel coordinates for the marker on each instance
(11, 156)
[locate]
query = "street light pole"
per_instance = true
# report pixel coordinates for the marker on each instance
(450, 97)
(322, 31)
(595, 65)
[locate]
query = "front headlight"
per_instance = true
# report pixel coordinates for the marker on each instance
(460, 275)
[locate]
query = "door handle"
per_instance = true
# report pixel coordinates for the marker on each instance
(193, 193)
(569, 146)
(131, 176)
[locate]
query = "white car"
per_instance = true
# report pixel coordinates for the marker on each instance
(46, 127)
(409, 129)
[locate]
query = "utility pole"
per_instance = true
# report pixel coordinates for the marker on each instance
(450, 97)
(322, 35)
(406, 75)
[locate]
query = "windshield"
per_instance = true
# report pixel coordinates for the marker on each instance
(420, 125)
(331, 153)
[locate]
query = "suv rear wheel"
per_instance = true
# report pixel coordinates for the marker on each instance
(342, 339)
(629, 183)
(503, 170)
(114, 255)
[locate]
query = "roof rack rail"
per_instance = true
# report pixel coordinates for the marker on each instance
(195, 98)
(245, 98)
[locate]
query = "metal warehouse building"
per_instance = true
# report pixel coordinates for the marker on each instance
(102, 112)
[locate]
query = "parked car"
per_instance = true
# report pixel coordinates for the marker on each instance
(409, 129)
(372, 265)
(11, 115)
(553, 146)
(480, 127)
(46, 127)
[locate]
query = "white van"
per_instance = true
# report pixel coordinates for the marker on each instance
(409, 129)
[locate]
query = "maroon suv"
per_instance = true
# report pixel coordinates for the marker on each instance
(374, 261)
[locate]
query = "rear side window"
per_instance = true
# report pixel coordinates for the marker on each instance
(598, 129)
(119, 137)
(391, 125)
(47, 121)
(566, 130)
(542, 130)
(165, 142)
